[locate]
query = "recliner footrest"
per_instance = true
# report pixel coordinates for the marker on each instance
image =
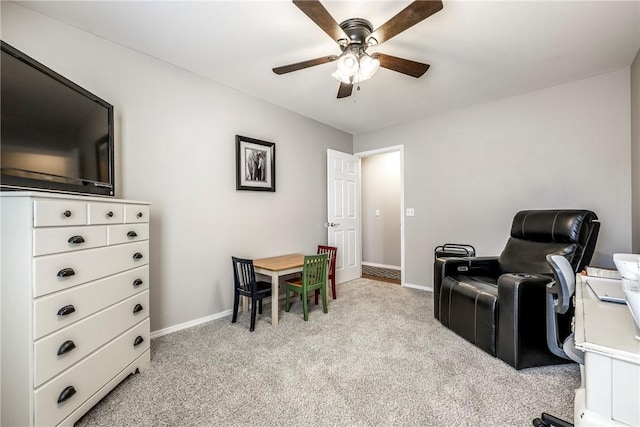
(469, 312)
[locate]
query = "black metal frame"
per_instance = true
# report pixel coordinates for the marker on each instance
(263, 147)
(51, 183)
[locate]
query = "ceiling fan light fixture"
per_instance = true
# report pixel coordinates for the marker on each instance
(355, 66)
(348, 64)
(368, 67)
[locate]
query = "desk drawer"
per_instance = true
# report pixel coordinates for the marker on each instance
(53, 273)
(125, 233)
(85, 336)
(66, 239)
(625, 392)
(105, 213)
(84, 300)
(59, 212)
(88, 376)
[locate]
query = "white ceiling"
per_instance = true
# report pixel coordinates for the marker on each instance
(478, 50)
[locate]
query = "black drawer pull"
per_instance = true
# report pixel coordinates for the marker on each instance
(76, 240)
(66, 394)
(132, 234)
(137, 256)
(66, 272)
(110, 214)
(66, 347)
(137, 282)
(66, 310)
(137, 308)
(139, 340)
(139, 215)
(67, 214)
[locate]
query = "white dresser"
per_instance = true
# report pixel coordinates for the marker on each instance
(75, 303)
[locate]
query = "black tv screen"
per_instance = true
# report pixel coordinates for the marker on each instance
(54, 135)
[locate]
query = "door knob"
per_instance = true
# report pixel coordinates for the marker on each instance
(331, 224)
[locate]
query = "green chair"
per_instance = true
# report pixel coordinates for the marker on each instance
(314, 276)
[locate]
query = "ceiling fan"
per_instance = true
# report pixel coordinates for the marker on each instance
(355, 35)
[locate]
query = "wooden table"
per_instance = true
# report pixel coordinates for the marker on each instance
(275, 267)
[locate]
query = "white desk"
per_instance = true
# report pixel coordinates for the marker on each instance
(610, 390)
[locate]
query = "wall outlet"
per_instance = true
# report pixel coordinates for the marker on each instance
(377, 212)
(410, 212)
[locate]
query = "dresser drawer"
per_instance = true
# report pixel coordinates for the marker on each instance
(56, 352)
(136, 213)
(84, 300)
(105, 213)
(52, 273)
(88, 376)
(48, 213)
(66, 239)
(139, 365)
(124, 233)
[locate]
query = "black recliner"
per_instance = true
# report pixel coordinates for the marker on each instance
(499, 303)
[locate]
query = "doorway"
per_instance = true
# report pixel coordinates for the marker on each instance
(381, 210)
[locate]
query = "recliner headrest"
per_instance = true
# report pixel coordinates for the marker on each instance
(558, 226)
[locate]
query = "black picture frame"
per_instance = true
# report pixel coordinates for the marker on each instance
(255, 164)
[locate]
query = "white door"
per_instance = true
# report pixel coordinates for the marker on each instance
(343, 218)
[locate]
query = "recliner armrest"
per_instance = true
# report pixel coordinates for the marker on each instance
(476, 266)
(522, 339)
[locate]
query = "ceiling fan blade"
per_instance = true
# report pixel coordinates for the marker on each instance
(304, 64)
(318, 14)
(404, 66)
(408, 17)
(345, 90)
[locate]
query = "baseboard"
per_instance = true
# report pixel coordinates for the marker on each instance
(190, 324)
(419, 287)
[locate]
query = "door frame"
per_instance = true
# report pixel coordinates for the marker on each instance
(385, 150)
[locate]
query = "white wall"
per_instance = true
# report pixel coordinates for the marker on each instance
(635, 151)
(381, 192)
(469, 171)
(176, 148)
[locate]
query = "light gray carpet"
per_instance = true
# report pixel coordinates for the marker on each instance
(377, 358)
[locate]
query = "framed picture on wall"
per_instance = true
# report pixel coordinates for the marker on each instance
(255, 164)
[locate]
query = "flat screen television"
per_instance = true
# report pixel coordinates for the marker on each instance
(54, 135)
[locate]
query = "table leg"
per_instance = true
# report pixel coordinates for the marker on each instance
(245, 304)
(274, 298)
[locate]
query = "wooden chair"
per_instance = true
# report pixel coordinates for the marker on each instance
(332, 253)
(244, 278)
(314, 276)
